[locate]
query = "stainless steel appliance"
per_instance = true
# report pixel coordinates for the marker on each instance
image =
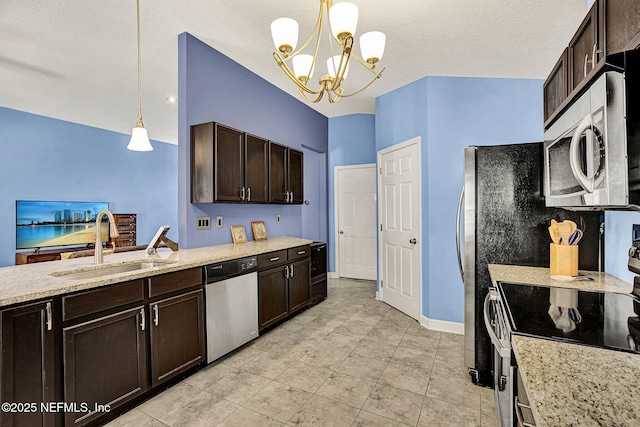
(231, 295)
(591, 150)
(505, 222)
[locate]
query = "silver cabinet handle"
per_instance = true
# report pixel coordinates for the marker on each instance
(501, 346)
(248, 194)
(286, 271)
(142, 320)
(302, 252)
(593, 57)
(518, 409)
(275, 258)
(291, 200)
(586, 61)
(242, 193)
(156, 317)
(286, 196)
(458, 216)
(49, 316)
(291, 276)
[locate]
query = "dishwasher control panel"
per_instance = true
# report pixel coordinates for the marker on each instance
(226, 269)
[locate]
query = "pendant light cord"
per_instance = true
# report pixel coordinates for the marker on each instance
(139, 124)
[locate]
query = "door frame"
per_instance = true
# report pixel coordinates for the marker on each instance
(336, 198)
(413, 141)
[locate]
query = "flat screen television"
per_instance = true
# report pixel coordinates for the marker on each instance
(41, 224)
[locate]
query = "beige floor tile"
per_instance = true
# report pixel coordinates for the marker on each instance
(410, 356)
(209, 375)
(338, 342)
(420, 331)
(387, 336)
(407, 378)
(364, 319)
(241, 356)
(169, 400)
(454, 338)
(489, 419)
(400, 325)
(399, 405)
(438, 413)
(454, 390)
(375, 350)
(487, 400)
(354, 330)
(346, 389)
(379, 309)
(278, 401)
(420, 342)
(304, 376)
(203, 410)
(321, 412)
(135, 418)
(452, 368)
(268, 365)
(325, 357)
(239, 387)
(367, 419)
(243, 417)
(362, 367)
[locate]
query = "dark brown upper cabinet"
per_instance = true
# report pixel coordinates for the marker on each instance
(285, 174)
(227, 165)
(556, 87)
(583, 48)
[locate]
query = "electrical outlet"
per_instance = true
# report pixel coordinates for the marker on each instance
(277, 219)
(203, 223)
(219, 222)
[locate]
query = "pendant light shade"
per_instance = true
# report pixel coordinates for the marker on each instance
(343, 18)
(139, 140)
(301, 66)
(284, 32)
(372, 46)
(139, 137)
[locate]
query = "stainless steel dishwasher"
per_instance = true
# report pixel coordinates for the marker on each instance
(231, 295)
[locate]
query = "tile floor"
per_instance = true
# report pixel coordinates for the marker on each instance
(349, 361)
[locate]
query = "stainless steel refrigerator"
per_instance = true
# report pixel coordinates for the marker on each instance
(505, 221)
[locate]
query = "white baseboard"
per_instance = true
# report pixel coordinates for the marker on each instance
(442, 325)
(378, 296)
(332, 275)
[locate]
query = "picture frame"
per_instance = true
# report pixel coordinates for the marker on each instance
(238, 234)
(259, 230)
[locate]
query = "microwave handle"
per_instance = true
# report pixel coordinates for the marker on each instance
(503, 350)
(574, 155)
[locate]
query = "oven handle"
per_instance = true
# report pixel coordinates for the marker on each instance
(503, 350)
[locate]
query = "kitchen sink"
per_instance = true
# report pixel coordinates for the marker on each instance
(107, 270)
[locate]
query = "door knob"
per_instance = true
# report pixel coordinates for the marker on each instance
(341, 232)
(413, 241)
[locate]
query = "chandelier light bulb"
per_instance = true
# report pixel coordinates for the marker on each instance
(372, 46)
(343, 18)
(285, 34)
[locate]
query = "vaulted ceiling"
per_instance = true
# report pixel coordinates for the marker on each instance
(76, 60)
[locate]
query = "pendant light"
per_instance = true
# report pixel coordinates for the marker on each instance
(139, 137)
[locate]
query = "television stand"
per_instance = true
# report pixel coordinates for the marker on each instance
(42, 256)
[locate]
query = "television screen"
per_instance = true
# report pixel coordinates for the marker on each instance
(44, 224)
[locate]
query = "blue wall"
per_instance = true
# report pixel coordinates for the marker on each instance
(212, 87)
(49, 159)
(449, 114)
(351, 142)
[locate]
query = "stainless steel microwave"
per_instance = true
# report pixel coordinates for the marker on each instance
(592, 151)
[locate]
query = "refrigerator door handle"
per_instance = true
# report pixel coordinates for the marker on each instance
(458, 216)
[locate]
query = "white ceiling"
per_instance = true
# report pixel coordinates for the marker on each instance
(75, 60)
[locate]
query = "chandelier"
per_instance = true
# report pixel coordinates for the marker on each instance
(299, 67)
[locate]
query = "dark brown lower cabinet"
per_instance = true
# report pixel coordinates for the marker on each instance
(27, 363)
(299, 285)
(272, 296)
(105, 363)
(177, 335)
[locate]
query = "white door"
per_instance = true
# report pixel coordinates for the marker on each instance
(399, 210)
(356, 221)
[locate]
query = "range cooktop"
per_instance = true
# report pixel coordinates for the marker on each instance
(600, 319)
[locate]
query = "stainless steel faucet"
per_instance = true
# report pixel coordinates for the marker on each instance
(113, 232)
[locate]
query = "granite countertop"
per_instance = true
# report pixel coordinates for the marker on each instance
(540, 276)
(23, 283)
(576, 385)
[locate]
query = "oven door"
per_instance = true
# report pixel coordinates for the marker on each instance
(495, 322)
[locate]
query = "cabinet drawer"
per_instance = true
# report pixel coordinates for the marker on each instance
(124, 219)
(94, 301)
(272, 259)
(299, 252)
(171, 282)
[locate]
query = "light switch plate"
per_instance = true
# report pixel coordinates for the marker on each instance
(277, 219)
(219, 222)
(203, 223)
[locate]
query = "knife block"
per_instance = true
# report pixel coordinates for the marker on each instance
(563, 260)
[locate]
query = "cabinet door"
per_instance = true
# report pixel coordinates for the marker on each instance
(257, 169)
(202, 163)
(272, 296)
(299, 284)
(27, 363)
(622, 25)
(229, 164)
(582, 47)
(277, 173)
(177, 335)
(555, 88)
(295, 164)
(105, 362)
